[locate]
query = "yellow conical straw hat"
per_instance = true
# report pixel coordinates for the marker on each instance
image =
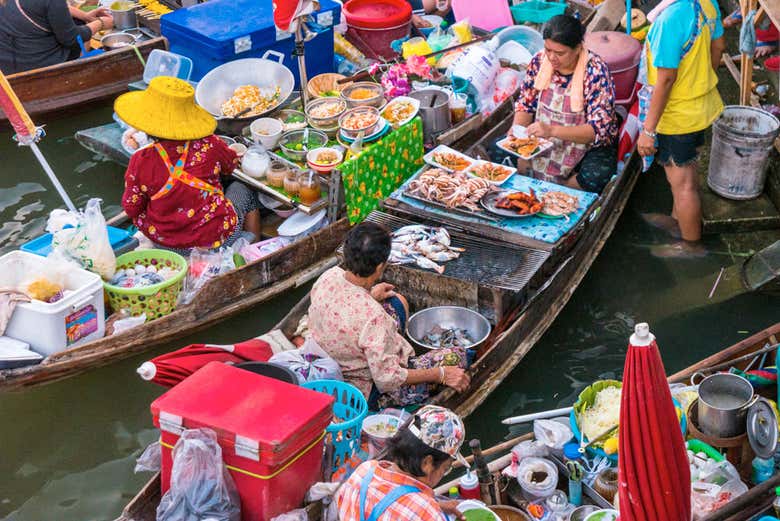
(167, 110)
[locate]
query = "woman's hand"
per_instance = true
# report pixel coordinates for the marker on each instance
(100, 12)
(539, 129)
(450, 507)
(645, 145)
(382, 291)
(456, 378)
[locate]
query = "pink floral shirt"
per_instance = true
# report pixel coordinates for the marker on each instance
(357, 332)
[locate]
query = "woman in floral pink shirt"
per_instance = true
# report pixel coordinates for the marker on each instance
(348, 320)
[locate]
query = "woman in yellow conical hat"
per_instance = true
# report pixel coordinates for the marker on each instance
(174, 190)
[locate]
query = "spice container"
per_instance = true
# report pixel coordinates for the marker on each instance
(292, 184)
(277, 171)
(309, 188)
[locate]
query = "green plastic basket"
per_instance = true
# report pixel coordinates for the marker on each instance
(156, 300)
(536, 11)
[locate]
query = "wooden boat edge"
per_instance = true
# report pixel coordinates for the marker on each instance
(211, 305)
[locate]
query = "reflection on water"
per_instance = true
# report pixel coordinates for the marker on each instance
(68, 448)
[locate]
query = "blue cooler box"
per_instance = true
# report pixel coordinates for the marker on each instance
(219, 31)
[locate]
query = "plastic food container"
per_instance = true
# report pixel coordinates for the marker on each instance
(537, 477)
(472, 504)
(166, 63)
(78, 317)
(372, 423)
(266, 131)
(375, 24)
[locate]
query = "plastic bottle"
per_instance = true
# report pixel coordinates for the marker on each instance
(645, 94)
(762, 470)
(454, 493)
(776, 502)
(469, 486)
(573, 459)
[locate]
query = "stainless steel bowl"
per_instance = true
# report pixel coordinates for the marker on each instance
(315, 139)
(366, 130)
(377, 100)
(327, 121)
(421, 323)
(113, 41)
(580, 513)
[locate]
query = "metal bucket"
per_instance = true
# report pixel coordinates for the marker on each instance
(724, 400)
(742, 139)
(434, 110)
(124, 15)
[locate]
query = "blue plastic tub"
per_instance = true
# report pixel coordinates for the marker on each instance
(42, 245)
(349, 410)
(219, 31)
(536, 11)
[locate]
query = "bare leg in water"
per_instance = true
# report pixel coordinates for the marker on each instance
(686, 212)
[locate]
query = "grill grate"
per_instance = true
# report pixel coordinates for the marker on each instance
(485, 263)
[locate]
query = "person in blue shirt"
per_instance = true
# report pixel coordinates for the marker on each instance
(438, 7)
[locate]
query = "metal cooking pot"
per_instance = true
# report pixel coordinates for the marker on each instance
(724, 400)
(125, 17)
(218, 86)
(114, 41)
(434, 110)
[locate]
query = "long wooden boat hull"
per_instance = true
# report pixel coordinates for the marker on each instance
(143, 506)
(219, 299)
(78, 82)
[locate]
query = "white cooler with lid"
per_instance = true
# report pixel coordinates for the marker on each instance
(75, 319)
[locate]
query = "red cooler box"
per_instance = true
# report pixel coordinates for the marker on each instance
(271, 433)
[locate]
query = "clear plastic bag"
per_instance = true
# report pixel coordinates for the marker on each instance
(309, 363)
(83, 236)
(293, 515)
(552, 433)
(149, 460)
(201, 487)
(203, 265)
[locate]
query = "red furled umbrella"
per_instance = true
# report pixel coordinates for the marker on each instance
(654, 481)
(171, 368)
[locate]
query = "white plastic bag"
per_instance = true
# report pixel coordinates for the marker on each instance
(309, 363)
(201, 487)
(293, 515)
(552, 433)
(83, 236)
(149, 460)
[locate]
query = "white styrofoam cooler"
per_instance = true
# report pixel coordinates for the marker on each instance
(77, 318)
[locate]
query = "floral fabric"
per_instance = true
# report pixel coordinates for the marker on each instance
(599, 96)
(381, 168)
(356, 331)
(185, 216)
(419, 393)
(440, 429)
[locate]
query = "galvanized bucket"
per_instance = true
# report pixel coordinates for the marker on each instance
(742, 139)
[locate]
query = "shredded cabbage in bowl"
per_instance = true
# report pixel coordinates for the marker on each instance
(602, 415)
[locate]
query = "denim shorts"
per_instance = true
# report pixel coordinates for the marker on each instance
(679, 149)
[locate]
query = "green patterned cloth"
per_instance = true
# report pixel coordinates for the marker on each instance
(381, 168)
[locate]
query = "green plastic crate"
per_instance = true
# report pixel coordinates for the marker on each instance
(536, 11)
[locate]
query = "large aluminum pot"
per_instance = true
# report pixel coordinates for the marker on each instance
(434, 110)
(123, 13)
(724, 400)
(218, 86)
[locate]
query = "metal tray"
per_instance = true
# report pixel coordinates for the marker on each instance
(488, 202)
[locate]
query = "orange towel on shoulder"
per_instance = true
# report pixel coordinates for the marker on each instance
(546, 70)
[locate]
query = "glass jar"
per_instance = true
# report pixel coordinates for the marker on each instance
(310, 189)
(291, 182)
(277, 171)
(255, 162)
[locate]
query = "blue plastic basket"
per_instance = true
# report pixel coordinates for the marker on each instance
(536, 11)
(349, 410)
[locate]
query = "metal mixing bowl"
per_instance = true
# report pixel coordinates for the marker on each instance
(315, 139)
(113, 41)
(421, 323)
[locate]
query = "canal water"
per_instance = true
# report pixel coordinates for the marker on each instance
(67, 449)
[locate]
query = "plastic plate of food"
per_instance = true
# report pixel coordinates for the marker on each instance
(558, 205)
(511, 204)
(448, 159)
(494, 173)
(401, 111)
(524, 147)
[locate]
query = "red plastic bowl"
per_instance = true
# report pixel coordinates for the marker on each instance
(377, 14)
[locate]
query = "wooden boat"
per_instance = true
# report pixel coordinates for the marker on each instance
(219, 299)
(144, 505)
(78, 82)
